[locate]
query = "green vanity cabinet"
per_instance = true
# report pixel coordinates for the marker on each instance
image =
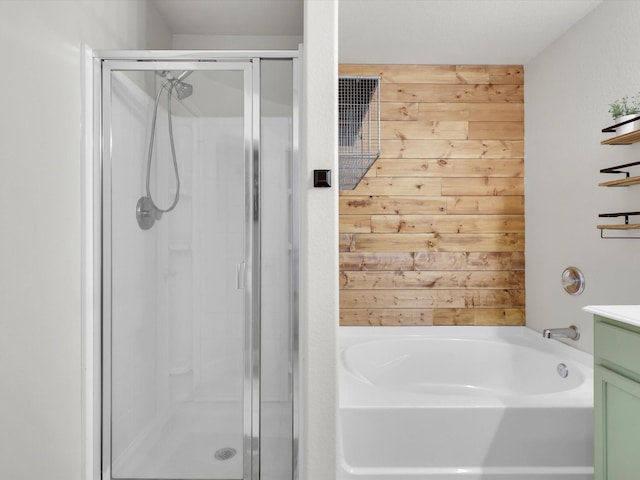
(617, 399)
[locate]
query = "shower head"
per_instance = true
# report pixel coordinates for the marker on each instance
(183, 90)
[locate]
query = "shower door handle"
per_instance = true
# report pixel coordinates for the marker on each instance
(240, 274)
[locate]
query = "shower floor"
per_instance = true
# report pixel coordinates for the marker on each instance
(186, 444)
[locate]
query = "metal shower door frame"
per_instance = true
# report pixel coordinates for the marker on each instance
(251, 419)
(249, 62)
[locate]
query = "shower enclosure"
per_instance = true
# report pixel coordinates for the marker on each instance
(198, 265)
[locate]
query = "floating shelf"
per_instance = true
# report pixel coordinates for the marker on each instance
(625, 182)
(624, 226)
(629, 226)
(624, 139)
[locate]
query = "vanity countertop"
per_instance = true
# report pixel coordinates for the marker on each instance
(629, 314)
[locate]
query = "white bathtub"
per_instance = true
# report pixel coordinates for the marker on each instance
(468, 403)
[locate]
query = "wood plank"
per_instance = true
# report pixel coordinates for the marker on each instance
(395, 186)
(506, 74)
(431, 242)
(426, 298)
(478, 112)
(485, 205)
(371, 173)
(436, 279)
(385, 316)
(443, 168)
(408, 205)
(423, 130)
(381, 261)
(517, 261)
(355, 223)
(482, 186)
(435, 93)
(496, 130)
(394, 261)
(453, 316)
(463, 74)
(398, 111)
(488, 316)
(347, 242)
(451, 149)
(469, 260)
(427, 317)
(478, 316)
(435, 74)
(446, 224)
(375, 205)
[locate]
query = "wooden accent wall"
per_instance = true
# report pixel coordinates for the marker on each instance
(434, 234)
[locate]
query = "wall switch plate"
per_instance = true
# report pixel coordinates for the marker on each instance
(321, 178)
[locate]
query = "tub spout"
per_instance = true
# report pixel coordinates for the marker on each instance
(571, 332)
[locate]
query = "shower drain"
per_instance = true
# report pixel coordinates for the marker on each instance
(225, 453)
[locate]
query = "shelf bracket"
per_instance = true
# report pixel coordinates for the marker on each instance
(612, 128)
(602, 235)
(626, 215)
(617, 168)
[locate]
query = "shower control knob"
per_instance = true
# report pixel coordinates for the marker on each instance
(147, 213)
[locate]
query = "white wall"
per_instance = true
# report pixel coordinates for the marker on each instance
(40, 185)
(319, 249)
(40, 306)
(567, 91)
(236, 42)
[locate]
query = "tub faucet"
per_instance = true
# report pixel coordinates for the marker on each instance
(571, 332)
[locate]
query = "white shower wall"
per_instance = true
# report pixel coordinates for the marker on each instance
(220, 242)
(181, 334)
(135, 295)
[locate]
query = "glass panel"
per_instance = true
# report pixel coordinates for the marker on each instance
(177, 310)
(276, 419)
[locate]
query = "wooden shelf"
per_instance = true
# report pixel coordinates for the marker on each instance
(620, 226)
(625, 182)
(625, 139)
(627, 226)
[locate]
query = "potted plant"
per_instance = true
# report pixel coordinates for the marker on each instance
(625, 109)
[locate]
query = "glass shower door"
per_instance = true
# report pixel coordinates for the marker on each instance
(179, 359)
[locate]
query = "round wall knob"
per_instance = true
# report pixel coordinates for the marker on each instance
(573, 281)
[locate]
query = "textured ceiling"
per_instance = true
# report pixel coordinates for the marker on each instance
(397, 31)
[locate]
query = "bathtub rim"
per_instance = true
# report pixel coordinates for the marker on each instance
(356, 394)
